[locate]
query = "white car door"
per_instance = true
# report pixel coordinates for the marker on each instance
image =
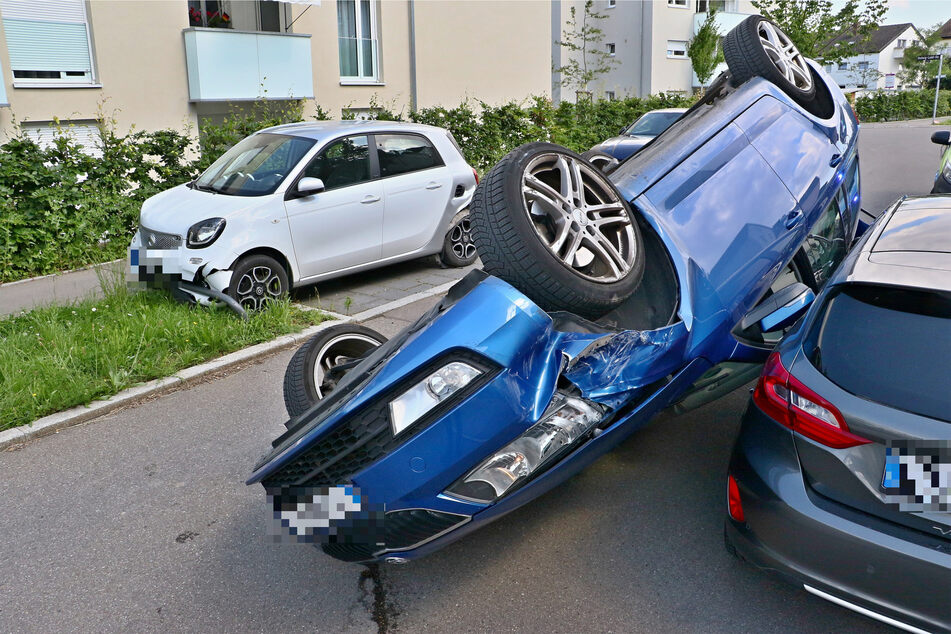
(417, 186)
(341, 226)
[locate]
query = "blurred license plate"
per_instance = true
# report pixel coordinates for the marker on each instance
(918, 475)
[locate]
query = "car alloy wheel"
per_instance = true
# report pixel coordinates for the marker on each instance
(259, 286)
(579, 217)
(785, 56)
(460, 239)
(338, 351)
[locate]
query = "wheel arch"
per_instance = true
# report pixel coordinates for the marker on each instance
(289, 268)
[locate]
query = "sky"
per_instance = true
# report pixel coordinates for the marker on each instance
(921, 13)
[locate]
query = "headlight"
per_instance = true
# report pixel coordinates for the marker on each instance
(946, 170)
(201, 234)
(425, 395)
(567, 419)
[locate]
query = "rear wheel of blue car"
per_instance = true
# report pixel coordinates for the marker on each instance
(551, 224)
(757, 47)
(318, 365)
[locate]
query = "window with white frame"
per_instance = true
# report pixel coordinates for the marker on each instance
(677, 49)
(358, 44)
(704, 6)
(48, 41)
(862, 66)
(611, 49)
(681, 4)
(612, 4)
(843, 65)
(609, 95)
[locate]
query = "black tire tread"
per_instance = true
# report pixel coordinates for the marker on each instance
(298, 397)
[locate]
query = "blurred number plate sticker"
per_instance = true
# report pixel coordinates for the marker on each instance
(918, 475)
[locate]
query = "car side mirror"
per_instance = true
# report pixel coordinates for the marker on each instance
(780, 309)
(308, 186)
(942, 137)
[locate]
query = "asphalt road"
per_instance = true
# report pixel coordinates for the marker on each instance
(895, 159)
(140, 521)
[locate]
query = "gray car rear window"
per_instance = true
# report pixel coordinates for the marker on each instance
(889, 345)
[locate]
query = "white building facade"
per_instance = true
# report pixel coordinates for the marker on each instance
(878, 62)
(648, 39)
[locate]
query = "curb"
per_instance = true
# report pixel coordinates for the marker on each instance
(82, 413)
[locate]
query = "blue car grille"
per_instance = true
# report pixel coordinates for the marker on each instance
(403, 530)
(365, 436)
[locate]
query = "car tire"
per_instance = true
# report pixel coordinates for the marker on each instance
(309, 377)
(544, 240)
(603, 161)
(258, 280)
(458, 248)
(757, 47)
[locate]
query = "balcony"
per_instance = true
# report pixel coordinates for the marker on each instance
(725, 20)
(228, 65)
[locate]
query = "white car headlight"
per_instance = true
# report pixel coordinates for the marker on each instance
(567, 419)
(425, 395)
(946, 170)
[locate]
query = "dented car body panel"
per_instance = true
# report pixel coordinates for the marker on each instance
(727, 212)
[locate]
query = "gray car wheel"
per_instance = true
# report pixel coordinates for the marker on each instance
(257, 281)
(458, 248)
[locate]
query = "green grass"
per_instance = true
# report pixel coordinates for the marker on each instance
(58, 357)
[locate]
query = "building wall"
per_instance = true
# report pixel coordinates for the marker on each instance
(494, 51)
(640, 30)
(139, 59)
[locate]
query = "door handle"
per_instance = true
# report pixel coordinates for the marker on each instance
(434, 185)
(792, 218)
(370, 198)
(835, 160)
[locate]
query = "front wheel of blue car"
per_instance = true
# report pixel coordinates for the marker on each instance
(553, 226)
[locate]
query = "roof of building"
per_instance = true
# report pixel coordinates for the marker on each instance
(879, 39)
(945, 31)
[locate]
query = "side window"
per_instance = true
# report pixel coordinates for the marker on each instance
(344, 162)
(825, 245)
(402, 153)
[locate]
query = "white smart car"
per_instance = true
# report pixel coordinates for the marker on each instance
(299, 203)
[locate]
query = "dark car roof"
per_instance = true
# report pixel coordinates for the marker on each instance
(909, 246)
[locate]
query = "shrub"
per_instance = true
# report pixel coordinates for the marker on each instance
(61, 208)
(901, 105)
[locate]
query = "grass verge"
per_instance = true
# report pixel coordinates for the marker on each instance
(59, 357)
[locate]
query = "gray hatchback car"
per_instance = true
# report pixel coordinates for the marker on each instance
(840, 478)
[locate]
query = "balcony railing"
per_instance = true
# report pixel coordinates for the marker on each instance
(725, 20)
(3, 91)
(227, 65)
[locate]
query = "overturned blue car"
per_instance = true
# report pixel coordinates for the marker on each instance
(605, 298)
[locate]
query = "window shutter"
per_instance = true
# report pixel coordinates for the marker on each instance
(47, 35)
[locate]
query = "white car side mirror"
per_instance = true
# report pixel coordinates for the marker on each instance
(309, 185)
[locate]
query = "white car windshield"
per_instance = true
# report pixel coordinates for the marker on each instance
(653, 123)
(255, 166)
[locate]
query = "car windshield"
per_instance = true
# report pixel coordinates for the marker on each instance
(653, 123)
(888, 345)
(255, 166)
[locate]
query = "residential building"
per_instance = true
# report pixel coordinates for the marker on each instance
(156, 64)
(877, 62)
(648, 40)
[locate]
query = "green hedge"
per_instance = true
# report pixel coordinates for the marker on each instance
(61, 208)
(901, 105)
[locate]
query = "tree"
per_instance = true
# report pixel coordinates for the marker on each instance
(704, 49)
(821, 33)
(587, 59)
(915, 73)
